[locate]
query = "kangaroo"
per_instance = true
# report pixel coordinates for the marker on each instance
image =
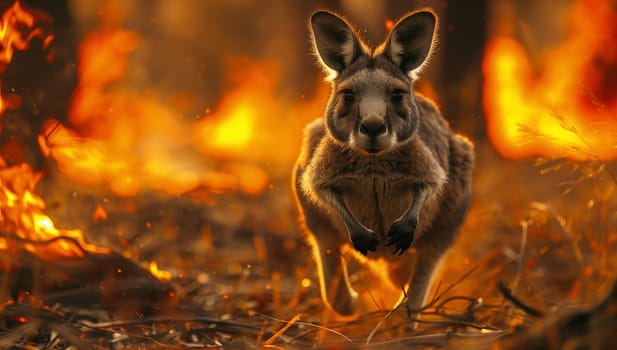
(381, 168)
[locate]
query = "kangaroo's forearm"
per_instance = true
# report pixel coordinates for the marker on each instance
(350, 220)
(362, 238)
(334, 198)
(420, 194)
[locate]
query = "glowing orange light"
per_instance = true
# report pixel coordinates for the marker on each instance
(100, 214)
(22, 214)
(133, 142)
(11, 37)
(559, 112)
(21, 209)
(158, 273)
(389, 24)
(236, 130)
(14, 37)
(229, 131)
(253, 122)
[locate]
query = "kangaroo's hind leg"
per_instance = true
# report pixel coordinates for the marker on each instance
(326, 243)
(454, 205)
(430, 248)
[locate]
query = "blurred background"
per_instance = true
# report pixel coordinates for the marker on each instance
(166, 130)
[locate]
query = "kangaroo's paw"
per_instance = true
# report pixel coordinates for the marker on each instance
(401, 235)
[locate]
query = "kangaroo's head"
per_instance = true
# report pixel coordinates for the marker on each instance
(372, 107)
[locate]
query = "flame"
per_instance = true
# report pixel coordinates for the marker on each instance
(132, 142)
(255, 122)
(229, 131)
(120, 138)
(21, 209)
(16, 32)
(11, 31)
(558, 112)
(23, 223)
(233, 133)
(22, 213)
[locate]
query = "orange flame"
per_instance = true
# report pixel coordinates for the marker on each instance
(121, 138)
(13, 36)
(252, 122)
(129, 140)
(558, 113)
(21, 210)
(22, 213)
(22, 219)
(133, 143)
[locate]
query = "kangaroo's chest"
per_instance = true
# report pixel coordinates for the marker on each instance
(376, 201)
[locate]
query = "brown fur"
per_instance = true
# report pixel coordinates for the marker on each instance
(428, 167)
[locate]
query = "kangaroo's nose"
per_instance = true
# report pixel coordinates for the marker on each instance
(373, 127)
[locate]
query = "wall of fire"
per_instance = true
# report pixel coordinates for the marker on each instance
(195, 52)
(204, 47)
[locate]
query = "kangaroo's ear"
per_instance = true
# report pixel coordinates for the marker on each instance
(411, 40)
(334, 40)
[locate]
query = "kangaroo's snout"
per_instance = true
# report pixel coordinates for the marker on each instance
(373, 126)
(372, 134)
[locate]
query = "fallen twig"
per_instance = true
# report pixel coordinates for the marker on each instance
(508, 295)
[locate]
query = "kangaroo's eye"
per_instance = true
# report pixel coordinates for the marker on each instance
(348, 96)
(397, 96)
